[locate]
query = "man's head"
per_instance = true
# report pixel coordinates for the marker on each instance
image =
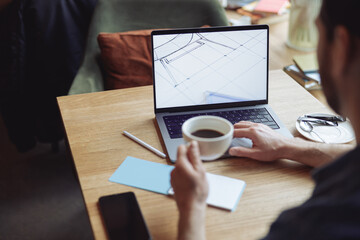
(339, 50)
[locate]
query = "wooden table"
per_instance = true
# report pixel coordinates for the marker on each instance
(94, 124)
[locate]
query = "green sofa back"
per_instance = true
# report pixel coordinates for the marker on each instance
(126, 15)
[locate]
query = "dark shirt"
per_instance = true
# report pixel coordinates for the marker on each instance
(333, 210)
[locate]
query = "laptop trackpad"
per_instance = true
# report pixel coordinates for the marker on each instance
(241, 142)
(238, 142)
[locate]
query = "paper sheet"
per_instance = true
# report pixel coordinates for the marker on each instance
(143, 174)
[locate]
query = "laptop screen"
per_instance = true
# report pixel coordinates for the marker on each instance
(210, 66)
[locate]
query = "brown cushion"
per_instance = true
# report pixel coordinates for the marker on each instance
(126, 58)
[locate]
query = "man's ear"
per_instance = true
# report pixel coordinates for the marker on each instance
(341, 52)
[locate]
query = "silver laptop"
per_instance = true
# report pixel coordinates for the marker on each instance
(221, 71)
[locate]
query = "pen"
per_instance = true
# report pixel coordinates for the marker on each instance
(144, 144)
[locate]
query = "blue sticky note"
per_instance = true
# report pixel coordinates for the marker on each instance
(143, 174)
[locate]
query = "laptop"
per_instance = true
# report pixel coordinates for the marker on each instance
(219, 71)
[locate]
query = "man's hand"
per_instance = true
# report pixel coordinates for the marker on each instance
(188, 179)
(190, 185)
(268, 145)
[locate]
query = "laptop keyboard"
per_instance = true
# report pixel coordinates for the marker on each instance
(257, 115)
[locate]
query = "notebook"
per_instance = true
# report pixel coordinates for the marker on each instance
(271, 6)
(221, 71)
(224, 192)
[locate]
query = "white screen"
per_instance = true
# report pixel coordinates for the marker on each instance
(210, 67)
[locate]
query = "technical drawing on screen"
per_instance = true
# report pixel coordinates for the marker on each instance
(210, 67)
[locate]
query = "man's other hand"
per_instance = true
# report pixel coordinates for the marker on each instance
(268, 145)
(188, 179)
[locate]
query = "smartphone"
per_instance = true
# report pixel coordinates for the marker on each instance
(123, 218)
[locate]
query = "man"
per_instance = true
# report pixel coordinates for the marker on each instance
(333, 210)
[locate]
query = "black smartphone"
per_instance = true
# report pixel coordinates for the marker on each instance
(123, 218)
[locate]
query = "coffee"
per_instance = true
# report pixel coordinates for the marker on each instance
(207, 133)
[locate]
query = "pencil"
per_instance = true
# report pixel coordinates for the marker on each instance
(144, 144)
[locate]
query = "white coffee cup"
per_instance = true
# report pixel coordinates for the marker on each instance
(211, 148)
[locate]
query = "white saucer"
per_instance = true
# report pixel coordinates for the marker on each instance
(343, 133)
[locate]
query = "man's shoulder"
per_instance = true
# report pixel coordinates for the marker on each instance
(339, 179)
(333, 210)
(320, 218)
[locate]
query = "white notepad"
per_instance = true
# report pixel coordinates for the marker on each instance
(224, 192)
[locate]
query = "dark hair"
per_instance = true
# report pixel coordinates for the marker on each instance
(340, 12)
